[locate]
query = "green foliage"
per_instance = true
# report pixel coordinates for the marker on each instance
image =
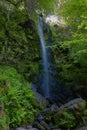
(44, 6)
(85, 116)
(68, 119)
(64, 119)
(18, 98)
(19, 45)
(71, 46)
(47, 4)
(3, 123)
(74, 13)
(76, 65)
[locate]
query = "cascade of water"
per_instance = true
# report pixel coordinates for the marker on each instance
(45, 83)
(49, 87)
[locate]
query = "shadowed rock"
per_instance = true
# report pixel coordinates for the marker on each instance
(30, 128)
(33, 129)
(21, 128)
(82, 128)
(41, 99)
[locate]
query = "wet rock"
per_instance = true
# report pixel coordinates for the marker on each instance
(33, 129)
(21, 128)
(44, 124)
(46, 110)
(57, 129)
(40, 118)
(50, 126)
(51, 114)
(82, 128)
(77, 103)
(29, 127)
(40, 127)
(41, 99)
(54, 107)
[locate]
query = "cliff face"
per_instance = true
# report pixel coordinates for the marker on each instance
(19, 43)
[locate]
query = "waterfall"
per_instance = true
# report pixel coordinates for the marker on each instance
(45, 83)
(51, 89)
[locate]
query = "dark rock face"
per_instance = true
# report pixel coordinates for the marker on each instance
(81, 90)
(28, 24)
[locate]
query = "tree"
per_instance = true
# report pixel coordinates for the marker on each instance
(46, 6)
(74, 53)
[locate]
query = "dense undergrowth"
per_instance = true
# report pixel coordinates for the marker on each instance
(71, 43)
(17, 99)
(68, 118)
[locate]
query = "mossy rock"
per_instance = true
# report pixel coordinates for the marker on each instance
(64, 119)
(69, 118)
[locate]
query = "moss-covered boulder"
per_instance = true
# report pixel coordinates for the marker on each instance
(68, 117)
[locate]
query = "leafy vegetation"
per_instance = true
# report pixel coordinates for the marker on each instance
(18, 39)
(20, 106)
(68, 117)
(65, 119)
(40, 6)
(71, 43)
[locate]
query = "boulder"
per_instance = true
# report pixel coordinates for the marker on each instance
(82, 128)
(56, 129)
(44, 124)
(33, 129)
(21, 128)
(41, 99)
(29, 127)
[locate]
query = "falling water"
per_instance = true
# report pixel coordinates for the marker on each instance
(45, 83)
(50, 88)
